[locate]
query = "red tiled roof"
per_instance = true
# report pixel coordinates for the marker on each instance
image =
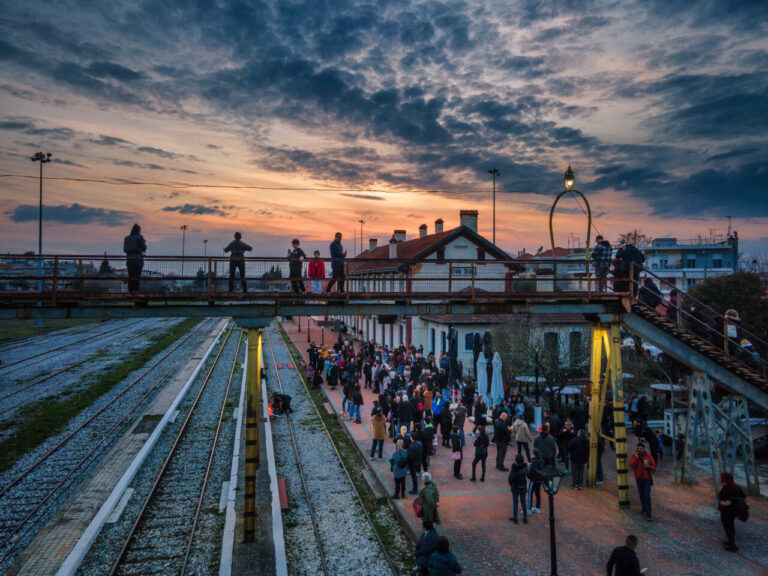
(405, 250)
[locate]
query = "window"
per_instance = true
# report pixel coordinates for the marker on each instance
(550, 343)
(663, 262)
(574, 347)
(443, 347)
(690, 262)
(691, 282)
(431, 340)
(391, 336)
(717, 262)
(469, 341)
(402, 338)
(441, 254)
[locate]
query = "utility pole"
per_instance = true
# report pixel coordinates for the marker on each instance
(361, 234)
(205, 248)
(41, 157)
(494, 172)
(183, 241)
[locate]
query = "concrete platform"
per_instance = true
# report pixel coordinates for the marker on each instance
(53, 543)
(684, 538)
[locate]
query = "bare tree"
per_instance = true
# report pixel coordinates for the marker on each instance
(635, 237)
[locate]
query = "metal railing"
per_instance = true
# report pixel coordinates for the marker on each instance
(56, 277)
(700, 320)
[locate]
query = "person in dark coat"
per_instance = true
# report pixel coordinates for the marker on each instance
(502, 434)
(446, 425)
(295, 258)
(578, 449)
(650, 294)
(338, 254)
(443, 562)
(629, 262)
(579, 415)
(415, 453)
(425, 547)
(456, 449)
(534, 488)
(518, 484)
(237, 249)
(729, 498)
(481, 453)
(134, 247)
(405, 414)
(479, 413)
(546, 446)
(624, 560)
(563, 438)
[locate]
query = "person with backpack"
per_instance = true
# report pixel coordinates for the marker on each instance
(429, 497)
(357, 402)
(732, 504)
(134, 247)
(523, 436)
(415, 452)
(518, 484)
(578, 448)
(237, 249)
(379, 432)
(601, 256)
(398, 464)
(425, 547)
(316, 272)
(481, 453)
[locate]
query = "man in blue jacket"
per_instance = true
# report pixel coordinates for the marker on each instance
(426, 545)
(337, 264)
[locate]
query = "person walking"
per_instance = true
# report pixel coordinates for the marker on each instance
(398, 464)
(357, 402)
(534, 487)
(337, 265)
(237, 249)
(316, 273)
(415, 452)
(730, 499)
(546, 446)
(601, 256)
(425, 547)
(442, 562)
(502, 434)
(643, 466)
(518, 484)
(429, 497)
(523, 436)
(563, 438)
(379, 432)
(456, 452)
(134, 247)
(624, 559)
(295, 258)
(578, 448)
(481, 453)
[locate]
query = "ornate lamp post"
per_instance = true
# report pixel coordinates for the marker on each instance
(550, 477)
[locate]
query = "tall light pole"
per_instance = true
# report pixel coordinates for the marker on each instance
(205, 248)
(494, 172)
(41, 157)
(183, 229)
(361, 233)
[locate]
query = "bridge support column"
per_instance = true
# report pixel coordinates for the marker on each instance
(608, 339)
(253, 397)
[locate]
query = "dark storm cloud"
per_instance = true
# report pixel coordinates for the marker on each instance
(362, 196)
(113, 70)
(732, 154)
(75, 214)
(132, 164)
(67, 163)
(198, 209)
(103, 140)
(157, 152)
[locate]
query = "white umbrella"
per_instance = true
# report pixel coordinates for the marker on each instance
(482, 377)
(668, 387)
(497, 384)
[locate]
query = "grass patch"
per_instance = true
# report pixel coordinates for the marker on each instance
(12, 329)
(386, 523)
(46, 418)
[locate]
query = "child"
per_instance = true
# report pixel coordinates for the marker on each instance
(316, 273)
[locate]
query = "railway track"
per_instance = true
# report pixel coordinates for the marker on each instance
(8, 407)
(343, 537)
(29, 494)
(14, 343)
(162, 536)
(33, 359)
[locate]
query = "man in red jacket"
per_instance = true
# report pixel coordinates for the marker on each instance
(643, 465)
(316, 273)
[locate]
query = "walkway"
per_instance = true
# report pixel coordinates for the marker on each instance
(684, 539)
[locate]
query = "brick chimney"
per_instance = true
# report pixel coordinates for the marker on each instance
(392, 248)
(422, 231)
(372, 243)
(468, 218)
(399, 235)
(438, 226)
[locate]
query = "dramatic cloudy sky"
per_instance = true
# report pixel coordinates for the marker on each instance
(393, 112)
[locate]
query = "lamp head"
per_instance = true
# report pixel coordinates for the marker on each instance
(570, 178)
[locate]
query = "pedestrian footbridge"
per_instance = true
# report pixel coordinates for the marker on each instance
(63, 286)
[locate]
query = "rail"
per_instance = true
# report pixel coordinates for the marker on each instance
(57, 279)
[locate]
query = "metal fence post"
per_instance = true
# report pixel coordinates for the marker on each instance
(55, 279)
(209, 283)
(253, 395)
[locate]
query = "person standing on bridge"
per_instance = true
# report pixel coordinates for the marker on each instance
(237, 249)
(601, 256)
(134, 247)
(337, 265)
(316, 272)
(295, 258)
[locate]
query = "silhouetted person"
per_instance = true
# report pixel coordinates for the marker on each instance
(134, 247)
(237, 249)
(295, 257)
(337, 264)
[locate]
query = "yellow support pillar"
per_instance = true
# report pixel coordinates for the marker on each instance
(597, 393)
(619, 419)
(253, 397)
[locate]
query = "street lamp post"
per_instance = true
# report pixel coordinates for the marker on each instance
(494, 172)
(361, 233)
(42, 157)
(183, 229)
(205, 248)
(550, 477)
